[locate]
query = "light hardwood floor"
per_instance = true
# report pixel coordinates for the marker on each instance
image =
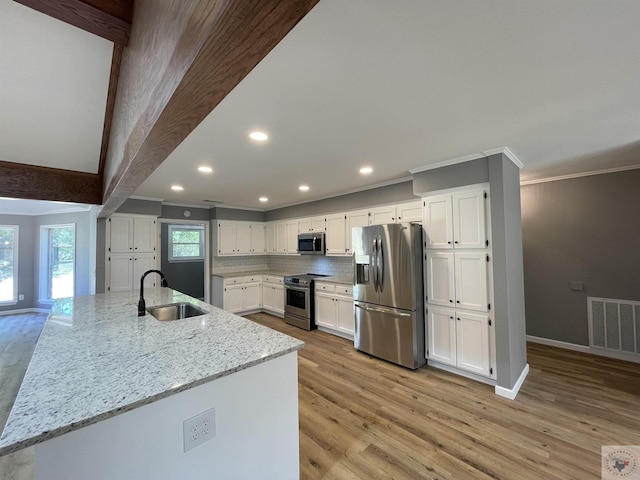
(363, 418)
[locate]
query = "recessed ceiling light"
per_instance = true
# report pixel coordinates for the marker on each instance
(303, 188)
(366, 170)
(205, 169)
(263, 199)
(258, 136)
(177, 188)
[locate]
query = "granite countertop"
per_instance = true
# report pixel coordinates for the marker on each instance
(96, 359)
(330, 279)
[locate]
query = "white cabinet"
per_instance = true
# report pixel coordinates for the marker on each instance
(336, 237)
(382, 215)
(311, 224)
(287, 237)
(131, 245)
(272, 245)
(273, 295)
(238, 238)
(459, 339)
(456, 220)
(358, 218)
(334, 308)
(409, 212)
(457, 280)
(242, 294)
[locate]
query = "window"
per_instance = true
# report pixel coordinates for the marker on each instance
(186, 243)
(8, 264)
(57, 261)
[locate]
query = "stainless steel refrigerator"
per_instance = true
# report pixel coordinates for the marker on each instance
(388, 293)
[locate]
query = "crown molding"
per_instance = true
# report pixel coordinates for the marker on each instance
(148, 199)
(507, 153)
(467, 158)
(579, 175)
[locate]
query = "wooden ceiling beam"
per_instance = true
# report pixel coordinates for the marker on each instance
(109, 19)
(33, 182)
(116, 60)
(164, 93)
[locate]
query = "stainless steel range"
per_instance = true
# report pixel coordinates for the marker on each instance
(299, 308)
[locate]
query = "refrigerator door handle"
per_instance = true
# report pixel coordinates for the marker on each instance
(382, 310)
(374, 261)
(380, 265)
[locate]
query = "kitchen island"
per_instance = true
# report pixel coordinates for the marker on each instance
(106, 393)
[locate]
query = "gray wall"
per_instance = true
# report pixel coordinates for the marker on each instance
(585, 230)
(186, 277)
(398, 192)
(141, 207)
(27, 251)
(508, 314)
(84, 248)
(176, 212)
(221, 213)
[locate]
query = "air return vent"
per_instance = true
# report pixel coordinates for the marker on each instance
(614, 325)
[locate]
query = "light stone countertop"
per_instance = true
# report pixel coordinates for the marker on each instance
(96, 359)
(330, 279)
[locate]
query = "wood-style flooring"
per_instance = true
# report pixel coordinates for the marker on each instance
(18, 337)
(363, 418)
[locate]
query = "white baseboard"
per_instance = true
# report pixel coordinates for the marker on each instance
(584, 349)
(511, 393)
(462, 373)
(24, 310)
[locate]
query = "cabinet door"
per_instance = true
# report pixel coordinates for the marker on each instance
(304, 225)
(141, 263)
(345, 320)
(226, 238)
(233, 298)
(336, 237)
(325, 310)
(358, 218)
(382, 215)
(281, 237)
(243, 239)
(267, 296)
(318, 224)
(252, 296)
(292, 237)
(278, 298)
(471, 281)
(438, 222)
(441, 335)
(272, 246)
(144, 234)
(440, 278)
(120, 234)
(469, 220)
(473, 342)
(258, 239)
(120, 273)
(409, 212)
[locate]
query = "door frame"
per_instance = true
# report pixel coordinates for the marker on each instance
(207, 248)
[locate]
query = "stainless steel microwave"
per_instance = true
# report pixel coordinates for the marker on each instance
(311, 243)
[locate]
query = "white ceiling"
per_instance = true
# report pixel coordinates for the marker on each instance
(404, 84)
(53, 90)
(18, 206)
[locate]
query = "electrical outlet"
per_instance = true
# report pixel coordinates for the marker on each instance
(197, 430)
(21, 297)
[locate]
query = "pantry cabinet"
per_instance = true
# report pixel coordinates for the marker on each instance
(456, 220)
(131, 246)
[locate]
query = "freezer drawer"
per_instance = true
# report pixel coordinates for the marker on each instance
(391, 334)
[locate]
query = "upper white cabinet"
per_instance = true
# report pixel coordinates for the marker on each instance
(409, 212)
(131, 245)
(287, 237)
(357, 218)
(382, 215)
(456, 220)
(336, 237)
(238, 238)
(272, 245)
(311, 224)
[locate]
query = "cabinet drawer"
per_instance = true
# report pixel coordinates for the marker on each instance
(346, 290)
(253, 278)
(272, 279)
(234, 280)
(325, 287)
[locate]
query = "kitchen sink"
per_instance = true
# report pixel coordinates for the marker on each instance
(175, 311)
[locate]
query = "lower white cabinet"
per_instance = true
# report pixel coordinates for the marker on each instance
(334, 308)
(242, 294)
(273, 295)
(124, 271)
(460, 339)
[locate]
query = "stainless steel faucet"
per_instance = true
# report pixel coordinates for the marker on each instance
(142, 307)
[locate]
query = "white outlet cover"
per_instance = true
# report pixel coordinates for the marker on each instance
(199, 429)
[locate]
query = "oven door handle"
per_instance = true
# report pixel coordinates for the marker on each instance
(297, 289)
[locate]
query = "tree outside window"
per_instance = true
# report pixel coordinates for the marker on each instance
(8, 263)
(186, 242)
(58, 261)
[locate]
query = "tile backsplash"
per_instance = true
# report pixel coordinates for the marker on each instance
(325, 265)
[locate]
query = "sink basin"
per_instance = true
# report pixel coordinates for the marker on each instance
(175, 311)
